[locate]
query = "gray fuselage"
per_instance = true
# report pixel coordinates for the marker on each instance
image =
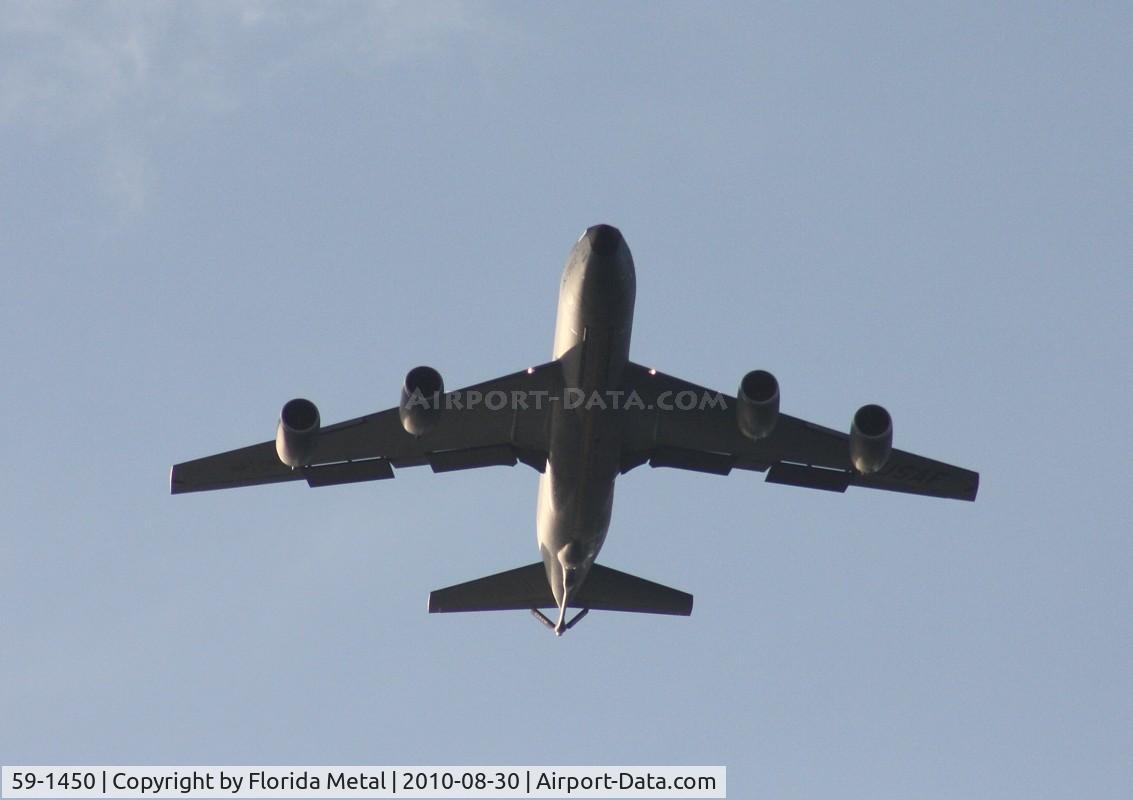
(592, 333)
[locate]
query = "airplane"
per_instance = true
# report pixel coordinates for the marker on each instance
(582, 419)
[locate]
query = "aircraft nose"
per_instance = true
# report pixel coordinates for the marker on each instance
(604, 239)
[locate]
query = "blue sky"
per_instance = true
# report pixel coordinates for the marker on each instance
(206, 210)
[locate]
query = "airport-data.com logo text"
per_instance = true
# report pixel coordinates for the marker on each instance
(604, 400)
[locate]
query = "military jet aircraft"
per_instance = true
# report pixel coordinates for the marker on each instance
(581, 419)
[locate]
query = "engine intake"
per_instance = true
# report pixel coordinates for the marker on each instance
(297, 432)
(421, 396)
(757, 409)
(871, 439)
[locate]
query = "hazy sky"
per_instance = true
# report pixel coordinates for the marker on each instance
(206, 210)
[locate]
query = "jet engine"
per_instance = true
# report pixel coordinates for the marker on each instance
(297, 432)
(421, 397)
(757, 409)
(871, 439)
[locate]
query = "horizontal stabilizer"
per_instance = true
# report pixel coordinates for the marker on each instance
(604, 589)
(609, 590)
(513, 590)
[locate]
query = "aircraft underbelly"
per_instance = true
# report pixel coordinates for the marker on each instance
(592, 336)
(576, 493)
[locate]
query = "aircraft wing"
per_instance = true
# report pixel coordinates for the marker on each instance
(706, 438)
(473, 430)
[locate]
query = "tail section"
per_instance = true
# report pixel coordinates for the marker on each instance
(607, 589)
(604, 589)
(515, 589)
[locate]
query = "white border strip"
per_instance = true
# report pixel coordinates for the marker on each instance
(361, 783)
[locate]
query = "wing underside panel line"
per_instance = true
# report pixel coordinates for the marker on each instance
(371, 469)
(831, 480)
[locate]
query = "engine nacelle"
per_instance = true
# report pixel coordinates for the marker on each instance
(297, 432)
(871, 439)
(421, 398)
(757, 409)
